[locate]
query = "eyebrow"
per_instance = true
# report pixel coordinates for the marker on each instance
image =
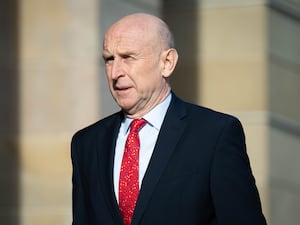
(107, 54)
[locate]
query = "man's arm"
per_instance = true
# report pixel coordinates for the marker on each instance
(234, 192)
(80, 216)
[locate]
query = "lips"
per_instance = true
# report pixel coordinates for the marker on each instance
(122, 88)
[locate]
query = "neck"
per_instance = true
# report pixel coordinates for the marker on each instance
(141, 113)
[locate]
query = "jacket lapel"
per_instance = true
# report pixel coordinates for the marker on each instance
(106, 160)
(171, 130)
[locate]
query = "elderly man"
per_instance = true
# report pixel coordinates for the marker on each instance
(160, 160)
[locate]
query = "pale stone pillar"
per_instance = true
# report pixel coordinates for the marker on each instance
(250, 55)
(62, 89)
(234, 74)
(223, 65)
(59, 93)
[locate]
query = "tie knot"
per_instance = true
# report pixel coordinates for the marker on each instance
(137, 124)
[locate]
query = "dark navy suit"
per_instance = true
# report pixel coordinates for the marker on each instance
(199, 173)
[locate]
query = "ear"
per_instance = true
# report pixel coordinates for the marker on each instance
(169, 61)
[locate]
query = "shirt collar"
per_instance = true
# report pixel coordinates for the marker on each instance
(154, 118)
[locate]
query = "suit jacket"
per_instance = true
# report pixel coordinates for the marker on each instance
(199, 172)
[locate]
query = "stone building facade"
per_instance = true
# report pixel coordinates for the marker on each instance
(237, 56)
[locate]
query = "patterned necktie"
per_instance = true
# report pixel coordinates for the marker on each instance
(129, 173)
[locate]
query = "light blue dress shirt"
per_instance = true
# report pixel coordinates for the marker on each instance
(148, 136)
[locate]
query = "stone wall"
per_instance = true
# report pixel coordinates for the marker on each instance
(59, 93)
(236, 56)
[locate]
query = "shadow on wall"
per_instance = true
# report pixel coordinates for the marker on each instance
(182, 18)
(9, 113)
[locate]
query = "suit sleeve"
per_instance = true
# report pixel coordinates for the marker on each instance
(235, 196)
(80, 214)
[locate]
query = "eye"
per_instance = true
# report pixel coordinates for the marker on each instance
(128, 57)
(108, 59)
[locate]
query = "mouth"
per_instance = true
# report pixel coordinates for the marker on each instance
(122, 89)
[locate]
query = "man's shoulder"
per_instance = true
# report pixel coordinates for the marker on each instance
(200, 115)
(207, 120)
(101, 125)
(194, 109)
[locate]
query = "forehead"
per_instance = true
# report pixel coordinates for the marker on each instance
(129, 36)
(123, 38)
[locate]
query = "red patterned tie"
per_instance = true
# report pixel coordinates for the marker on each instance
(129, 174)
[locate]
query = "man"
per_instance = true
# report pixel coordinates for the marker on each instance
(184, 165)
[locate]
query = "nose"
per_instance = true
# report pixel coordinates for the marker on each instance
(116, 69)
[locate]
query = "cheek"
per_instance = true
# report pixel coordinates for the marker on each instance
(110, 83)
(148, 83)
(107, 71)
(108, 74)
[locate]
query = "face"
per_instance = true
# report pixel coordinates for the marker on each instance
(134, 62)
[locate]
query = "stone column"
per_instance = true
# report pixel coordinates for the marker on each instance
(234, 75)
(59, 93)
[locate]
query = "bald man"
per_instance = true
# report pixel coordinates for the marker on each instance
(159, 160)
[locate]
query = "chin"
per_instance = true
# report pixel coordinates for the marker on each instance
(124, 105)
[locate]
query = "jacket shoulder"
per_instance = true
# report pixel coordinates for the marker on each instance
(200, 113)
(99, 126)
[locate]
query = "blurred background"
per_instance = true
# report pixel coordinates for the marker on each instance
(237, 56)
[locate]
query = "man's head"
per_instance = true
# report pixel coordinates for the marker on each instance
(139, 56)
